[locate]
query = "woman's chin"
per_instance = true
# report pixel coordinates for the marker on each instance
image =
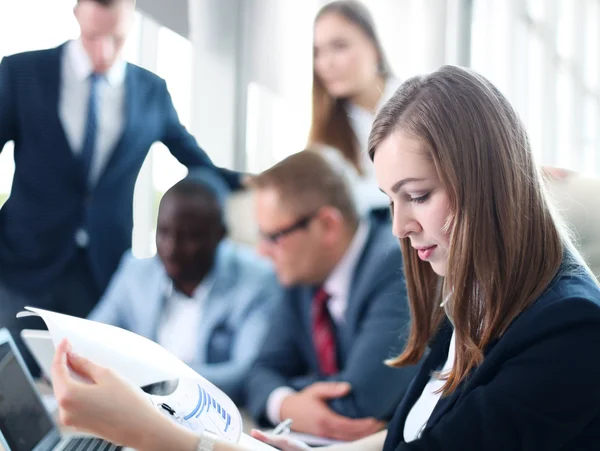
(439, 268)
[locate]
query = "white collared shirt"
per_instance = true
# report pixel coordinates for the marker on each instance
(180, 318)
(362, 119)
(365, 188)
(337, 285)
(76, 69)
(422, 409)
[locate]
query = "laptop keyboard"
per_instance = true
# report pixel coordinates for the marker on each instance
(90, 444)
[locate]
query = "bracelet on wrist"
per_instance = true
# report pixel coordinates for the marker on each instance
(207, 441)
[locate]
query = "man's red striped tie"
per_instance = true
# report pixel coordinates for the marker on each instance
(323, 333)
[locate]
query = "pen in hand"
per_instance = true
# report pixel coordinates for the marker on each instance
(283, 427)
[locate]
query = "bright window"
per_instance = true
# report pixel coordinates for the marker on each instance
(561, 74)
(174, 64)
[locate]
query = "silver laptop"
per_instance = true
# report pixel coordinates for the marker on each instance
(41, 346)
(25, 424)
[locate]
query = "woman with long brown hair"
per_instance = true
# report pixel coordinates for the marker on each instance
(352, 79)
(504, 309)
(499, 295)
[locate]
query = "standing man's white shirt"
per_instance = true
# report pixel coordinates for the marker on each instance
(74, 99)
(337, 285)
(180, 319)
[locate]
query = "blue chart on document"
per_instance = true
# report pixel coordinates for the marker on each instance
(199, 406)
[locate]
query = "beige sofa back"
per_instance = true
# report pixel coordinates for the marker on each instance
(240, 218)
(578, 200)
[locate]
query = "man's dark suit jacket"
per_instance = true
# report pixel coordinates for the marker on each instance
(538, 387)
(376, 317)
(50, 200)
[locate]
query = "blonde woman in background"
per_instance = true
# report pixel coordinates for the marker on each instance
(352, 79)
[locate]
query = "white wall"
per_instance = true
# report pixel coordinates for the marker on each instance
(172, 14)
(278, 79)
(215, 36)
(545, 57)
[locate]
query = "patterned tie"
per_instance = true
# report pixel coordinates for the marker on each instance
(323, 333)
(91, 127)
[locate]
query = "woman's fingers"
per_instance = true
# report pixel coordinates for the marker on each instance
(258, 435)
(280, 441)
(63, 384)
(68, 370)
(60, 368)
(84, 368)
(66, 363)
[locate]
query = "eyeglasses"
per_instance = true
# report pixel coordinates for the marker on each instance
(303, 222)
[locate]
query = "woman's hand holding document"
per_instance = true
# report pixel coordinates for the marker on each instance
(122, 358)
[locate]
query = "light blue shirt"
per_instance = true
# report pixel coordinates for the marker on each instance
(235, 315)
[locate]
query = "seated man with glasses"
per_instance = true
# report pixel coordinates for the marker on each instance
(345, 309)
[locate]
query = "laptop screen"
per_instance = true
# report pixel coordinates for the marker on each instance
(24, 420)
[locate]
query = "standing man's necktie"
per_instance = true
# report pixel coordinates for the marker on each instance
(323, 333)
(91, 127)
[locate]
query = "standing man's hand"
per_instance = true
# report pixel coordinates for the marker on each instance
(311, 414)
(246, 180)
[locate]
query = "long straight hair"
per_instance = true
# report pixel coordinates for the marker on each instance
(330, 124)
(505, 246)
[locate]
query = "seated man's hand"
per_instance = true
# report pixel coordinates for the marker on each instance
(311, 414)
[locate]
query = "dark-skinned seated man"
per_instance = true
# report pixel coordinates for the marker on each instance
(205, 299)
(344, 311)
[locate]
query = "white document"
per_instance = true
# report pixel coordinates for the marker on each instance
(197, 404)
(136, 358)
(256, 445)
(314, 440)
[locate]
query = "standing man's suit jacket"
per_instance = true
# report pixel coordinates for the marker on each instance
(376, 317)
(50, 199)
(236, 311)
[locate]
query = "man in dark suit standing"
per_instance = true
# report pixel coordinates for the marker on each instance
(82, 121)
(322, 364)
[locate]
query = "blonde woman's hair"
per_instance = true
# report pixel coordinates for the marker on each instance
(330, 123)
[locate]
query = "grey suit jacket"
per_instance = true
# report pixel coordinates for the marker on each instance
(241, 300)
(376, 319)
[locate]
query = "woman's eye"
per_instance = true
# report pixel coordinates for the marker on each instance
(339, 45)
(420, 199)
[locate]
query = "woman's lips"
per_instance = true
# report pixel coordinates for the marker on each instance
(425, 252)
